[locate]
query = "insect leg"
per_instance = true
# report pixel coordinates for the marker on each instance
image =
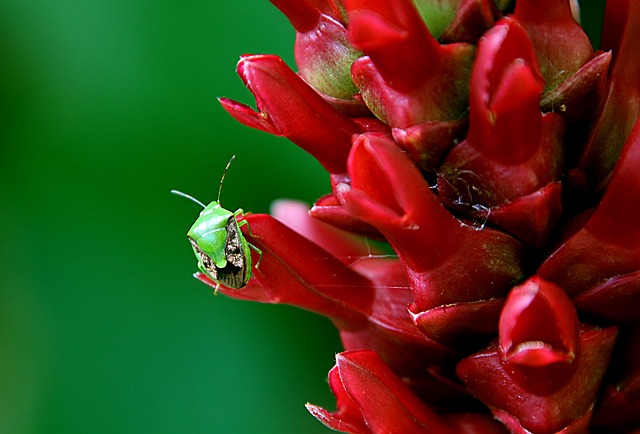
(258, 251)
(246, 223)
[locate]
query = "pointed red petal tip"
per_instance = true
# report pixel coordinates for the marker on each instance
(577, 98)
(608, 245)
(388, 192)
(343, 245)
(289, 107)
(302, 15)
(459, 325)
(561, 45)
(372, 399)
(329, 209)
(400, 87)
(391, 32)
(348, 418)
(506, 85)
(538, 325)
(511, 160)
(523, 410)
(428, 142)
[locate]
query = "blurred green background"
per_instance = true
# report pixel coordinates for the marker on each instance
(106, 106)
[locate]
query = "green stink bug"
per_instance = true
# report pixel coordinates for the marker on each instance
(223, 253)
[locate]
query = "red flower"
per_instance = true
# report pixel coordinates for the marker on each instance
(290, 107)
(372, 399)
(620, 108)
(508, 168)
(365, 297)
(389, 193)
(544, 373)
(599, 265)
(497, 154)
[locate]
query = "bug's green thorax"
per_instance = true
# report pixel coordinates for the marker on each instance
(209, 232)
(223, 253)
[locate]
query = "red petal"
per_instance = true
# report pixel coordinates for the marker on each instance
(369, 307)
(505, 66)
(538, 325)
(441, 254)
(348, 418)
(577, 426)
(292, 108)
(427, 142)
(618, 299)
(396, 38)
(344, 246)
(538, 336)
(293, 270)
(512, 152)
(460, 324)
(609, 243)
(302, 15)
(386, 402)
(489, 380)
(337, 422)
(248, 116)
(577, 98)
(407, 77)
(621, 108)
(329, 209)
(530, 218)
(562, 47)
(390, 331)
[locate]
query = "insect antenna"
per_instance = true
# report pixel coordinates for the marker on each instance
(223, 175)
(191, 198)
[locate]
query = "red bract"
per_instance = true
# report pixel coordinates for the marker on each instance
(538, 336)
(291, 108)
(494, 151)
(621, 399)
(508, 168)
(472, 19)
(567, 409)
(389, 193)
(621, 106)
(562, 46)
(407, 77)
(323, 52)
(601, 261)
(372, 399)
(365, 297)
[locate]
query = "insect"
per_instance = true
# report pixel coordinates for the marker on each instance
(223, 252)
